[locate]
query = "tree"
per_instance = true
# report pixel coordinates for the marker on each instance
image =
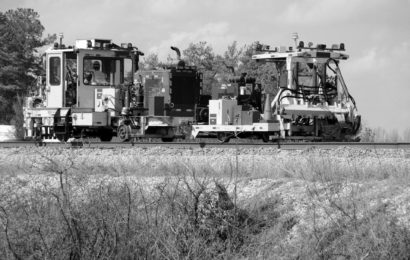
(367, 135)
(20, 35)
(266, 74)
(217, 68)
(406, 135)
(232, 57)
(380, 135)
(394, 136)
(150, 61)
(227, 65)
(202, 56)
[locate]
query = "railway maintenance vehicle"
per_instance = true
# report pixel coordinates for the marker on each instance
(92, 89)
(95, 89)
(312, 103)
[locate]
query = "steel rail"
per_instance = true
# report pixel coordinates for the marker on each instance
(195, 144)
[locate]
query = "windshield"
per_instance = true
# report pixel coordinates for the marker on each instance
(315, 82)
(318, 82)
(308, 75)
(106, 71)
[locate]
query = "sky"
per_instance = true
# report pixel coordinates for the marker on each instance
(376, 34)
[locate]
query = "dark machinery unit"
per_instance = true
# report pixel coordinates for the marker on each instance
(177, 88)
(185, 90)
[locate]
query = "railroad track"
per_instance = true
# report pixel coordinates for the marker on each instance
(196, 144)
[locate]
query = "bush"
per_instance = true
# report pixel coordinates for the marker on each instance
(345, 226)
(73, 207)
(182, 218)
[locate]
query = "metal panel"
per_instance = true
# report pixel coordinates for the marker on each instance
(90, 119)
(108, 99)
(156, 106)
(226, 111)
(156, 83)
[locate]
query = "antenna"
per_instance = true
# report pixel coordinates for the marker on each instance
(295, 37)
(61, 36)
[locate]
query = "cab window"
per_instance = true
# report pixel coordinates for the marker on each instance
(55, 71)
(104, 71)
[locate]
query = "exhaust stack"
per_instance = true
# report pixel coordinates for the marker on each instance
(181, 63)
(177, 51)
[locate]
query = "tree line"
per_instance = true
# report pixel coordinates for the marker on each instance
(21, 34)
(380, 135)
(216, 68)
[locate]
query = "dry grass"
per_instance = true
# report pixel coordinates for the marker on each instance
(171, 204)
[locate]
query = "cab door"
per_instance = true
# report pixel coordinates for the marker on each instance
(55, 80)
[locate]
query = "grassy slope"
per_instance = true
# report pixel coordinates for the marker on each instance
(308, 204)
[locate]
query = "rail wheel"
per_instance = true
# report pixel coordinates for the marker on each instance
(105, 135)
(170, 135)
(167, 139)
(62, 137)
(123, 133)
(265, 137)
(223, 137)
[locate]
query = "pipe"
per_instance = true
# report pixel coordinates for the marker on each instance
(177, 51)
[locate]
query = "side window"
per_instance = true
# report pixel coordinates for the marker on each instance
(71, 67)
(128, 77)
(55, 71)
(282, 74)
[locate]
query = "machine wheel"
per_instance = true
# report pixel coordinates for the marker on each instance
(123, 134)
(37, 133)
(167, 139)
(62, 137)
(105, 135)
(223, 137)
(170, 135)
(265, 137)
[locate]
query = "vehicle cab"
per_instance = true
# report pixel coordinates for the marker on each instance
(85, 89)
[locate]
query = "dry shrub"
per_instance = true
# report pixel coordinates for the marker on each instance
(83, 212)
(182, 217)
(347, 226)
